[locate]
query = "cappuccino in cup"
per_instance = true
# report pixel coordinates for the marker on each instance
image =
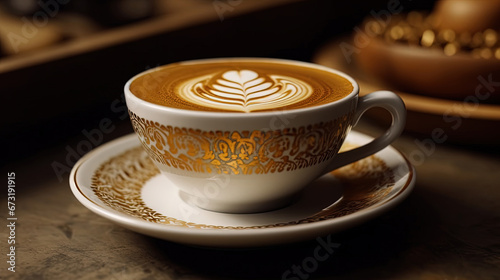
(236, 86)
(243, 135)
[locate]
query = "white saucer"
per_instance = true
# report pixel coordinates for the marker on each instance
(119, 182)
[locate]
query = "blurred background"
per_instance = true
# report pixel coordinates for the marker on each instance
(63, 63)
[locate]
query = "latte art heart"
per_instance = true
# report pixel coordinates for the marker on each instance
(244, 90)
(239, 85)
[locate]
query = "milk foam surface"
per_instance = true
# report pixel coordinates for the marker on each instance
(239, 86)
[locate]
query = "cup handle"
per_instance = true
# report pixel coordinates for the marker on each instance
(387, 100)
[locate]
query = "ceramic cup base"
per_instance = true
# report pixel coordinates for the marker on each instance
(238, 208)
(229, 193)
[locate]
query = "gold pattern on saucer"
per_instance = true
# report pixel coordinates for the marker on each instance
(240, 152)
(366, 182)
(118, 183)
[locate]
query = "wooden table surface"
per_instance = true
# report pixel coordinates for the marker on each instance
(448, 228)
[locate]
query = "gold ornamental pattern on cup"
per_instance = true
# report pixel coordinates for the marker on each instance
(241, 152)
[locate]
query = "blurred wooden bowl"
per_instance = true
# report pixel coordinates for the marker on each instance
(430, 72)
(18, 36)
(462, 122)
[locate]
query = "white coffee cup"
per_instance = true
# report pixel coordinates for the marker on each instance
(238, 162)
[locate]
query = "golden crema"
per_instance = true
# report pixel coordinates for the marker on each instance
(239, 86)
